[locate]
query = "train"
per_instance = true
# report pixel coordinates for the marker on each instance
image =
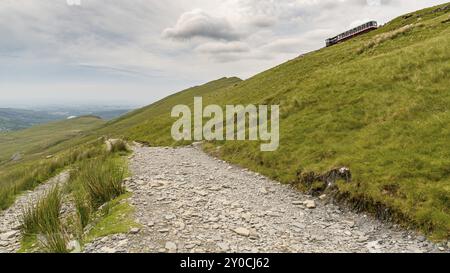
(369, 26)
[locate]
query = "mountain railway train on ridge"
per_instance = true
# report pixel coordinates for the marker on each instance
(369, 26)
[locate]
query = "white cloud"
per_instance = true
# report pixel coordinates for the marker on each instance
(198, 23)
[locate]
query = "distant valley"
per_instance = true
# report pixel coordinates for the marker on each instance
(13, 119)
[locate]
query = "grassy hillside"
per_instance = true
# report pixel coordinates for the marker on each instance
(153, 123)
(44, 140)
(377, 104)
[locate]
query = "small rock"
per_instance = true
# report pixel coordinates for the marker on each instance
(421, 239)
(299, 225)
(122, 243)
(189, 246)
(223, 246)
(202, 193)
(263, 190)
(350, 223)
(106, 249)
(362, 239)
(215, 188)
(181, 226)
(242, 231)
(135, 230)
(170, 217)
(150, 224)
(323, 197)
(8, 235)
(297, 203)
(171, 247)
(310, 204)
(164, 230)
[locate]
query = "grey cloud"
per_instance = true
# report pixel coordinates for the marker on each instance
(262, 21)
(121, 70)
(224, 52)
(284, 45)
(198, 23)
(218, 48)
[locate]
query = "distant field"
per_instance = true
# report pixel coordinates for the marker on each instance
(377, 104)
(17, 119)
(44, 140)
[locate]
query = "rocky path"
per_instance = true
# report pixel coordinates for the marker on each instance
(10, 218)
(187, 201)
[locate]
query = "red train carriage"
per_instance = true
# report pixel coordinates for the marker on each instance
(352, 33)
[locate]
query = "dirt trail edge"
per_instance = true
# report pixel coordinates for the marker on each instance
(187, 201)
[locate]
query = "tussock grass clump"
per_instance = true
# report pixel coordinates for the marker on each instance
(17, 179)
(55, 242)
(96, 182)
(93, 183)
(83, 207)
(44, 220)
(119, 146)
(44, 216)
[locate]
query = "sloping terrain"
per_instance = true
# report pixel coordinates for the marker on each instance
(43, 140)
(377, 104)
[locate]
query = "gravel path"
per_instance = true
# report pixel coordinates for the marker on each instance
(10, 218)
(188, 201)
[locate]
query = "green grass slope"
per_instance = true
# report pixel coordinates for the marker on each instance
(46, 139)
(152, 124)
(377, 103)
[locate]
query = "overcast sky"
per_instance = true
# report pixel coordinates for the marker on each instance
(137, 51)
